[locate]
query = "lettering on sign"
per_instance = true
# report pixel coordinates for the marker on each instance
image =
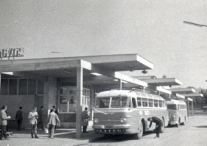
(11, 52)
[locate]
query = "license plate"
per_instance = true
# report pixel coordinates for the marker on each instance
(108, 126)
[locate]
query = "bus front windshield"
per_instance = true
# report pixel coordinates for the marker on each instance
(172, 106)
(116, 102)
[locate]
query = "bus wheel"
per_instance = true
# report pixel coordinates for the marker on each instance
(163, 125)
(140, 131)
(184, 121)
(177, 125)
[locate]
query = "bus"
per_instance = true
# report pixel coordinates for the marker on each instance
(177, 112)
(127, 112)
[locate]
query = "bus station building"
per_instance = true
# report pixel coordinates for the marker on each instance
(68, 83)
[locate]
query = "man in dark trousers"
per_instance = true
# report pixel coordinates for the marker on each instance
(85, 118)
(19, 118)
(158, 123)
(41, 115)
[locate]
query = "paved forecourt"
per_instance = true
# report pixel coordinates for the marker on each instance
(192, 134)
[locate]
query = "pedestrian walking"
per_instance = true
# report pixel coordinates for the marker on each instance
(19, 118)
(52, 121)
(85, 118)
(33, 116)
(56, 111)
(41, 115)
(158, 123)
(3, 122)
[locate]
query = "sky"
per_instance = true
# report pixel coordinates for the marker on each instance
(151, 29)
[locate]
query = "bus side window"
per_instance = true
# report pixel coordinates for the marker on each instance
(101, 104)
(139, 101)
(163, 103)
(145, 102)
(178, 106)
(150, 102)
(134, 103)
(155, 103)
(160, 103)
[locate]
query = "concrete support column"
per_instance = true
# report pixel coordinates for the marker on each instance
(92, 97)
(120, 84)
(187, 107)
(0, 83)
(192, 110)
(79, 86)
(50, 93)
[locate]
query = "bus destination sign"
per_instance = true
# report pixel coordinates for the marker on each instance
(11, 52)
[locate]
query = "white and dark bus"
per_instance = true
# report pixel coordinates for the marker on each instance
(177, 112)
(126, 112)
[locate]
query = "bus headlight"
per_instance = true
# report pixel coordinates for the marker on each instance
(123, 120)
(96, 120)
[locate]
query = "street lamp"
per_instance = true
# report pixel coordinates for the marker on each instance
(196, 24)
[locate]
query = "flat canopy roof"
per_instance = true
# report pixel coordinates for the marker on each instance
(122, 62)
(193, 95)
(180, 96)
(161, 81)
(182, 90)
(164, 90)
(65, 67)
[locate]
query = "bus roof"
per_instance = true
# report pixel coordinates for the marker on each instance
(128, 93)
(176, 102)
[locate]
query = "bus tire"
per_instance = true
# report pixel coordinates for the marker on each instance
(177, 125)
(184, 121)
(163, 126)
(139, 134)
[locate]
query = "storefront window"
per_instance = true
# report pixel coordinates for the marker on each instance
(4, 86)
(67, 99)
(13, 87)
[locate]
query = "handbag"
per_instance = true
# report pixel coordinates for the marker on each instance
(46, 130)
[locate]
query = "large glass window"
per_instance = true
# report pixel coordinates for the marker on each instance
(13, 87)
(102, 102)
(139, 101)
(31, 86)
(160, 103)
(172, 106)
(119, 102)
(4, 86)
(155, 103)
(68, 100)
(150, 102)
(182, 106)
(134, 103)
(163, 103)
(23, 86)
(144, 102)
(40, 87)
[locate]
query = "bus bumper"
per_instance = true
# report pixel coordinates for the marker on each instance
(111, 126)
(173, 122)
(112, 129)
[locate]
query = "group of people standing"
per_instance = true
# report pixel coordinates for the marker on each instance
(52, 121)
(37, 118)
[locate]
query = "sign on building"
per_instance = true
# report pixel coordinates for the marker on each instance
(11, 52)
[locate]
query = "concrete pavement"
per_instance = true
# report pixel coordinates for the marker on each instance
(193, 133)
(63, 137)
